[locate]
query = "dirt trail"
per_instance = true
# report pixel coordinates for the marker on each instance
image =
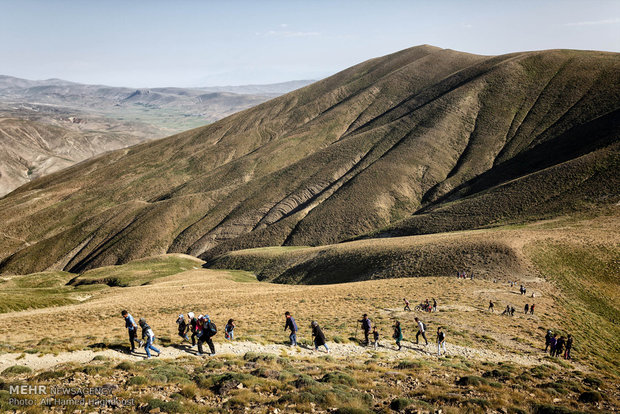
(387, 351)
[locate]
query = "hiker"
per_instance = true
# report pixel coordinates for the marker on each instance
(527, 308)
(208, 331)
(521, 289)
(427, 306)
(407, 308)
(552, 344)
(132, 329)
(559, 346)
(183, 327)
(398, 334)
(434, 305)
(319, 336)
(512, 311)
(375, 337)
(491, 306)
(441, 341)
(506, 311)
(548, 339)
(193, 326)
(471, 276)
(421, 331)
(149, 336)
(229, 330)
(532, 309)
(569, 346)
(366, 327)
(290, 324)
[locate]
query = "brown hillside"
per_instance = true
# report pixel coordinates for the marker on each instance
(424, 140)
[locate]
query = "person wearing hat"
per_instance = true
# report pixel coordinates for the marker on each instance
(183, 327)
(149, 336)
(193, 326)
(206, 333)
(366, 327)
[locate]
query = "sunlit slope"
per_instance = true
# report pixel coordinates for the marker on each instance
(421, 141)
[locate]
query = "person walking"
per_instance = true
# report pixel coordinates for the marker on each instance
(398, 334)
(559, 346)
(206, 334)
(193, 326)
(548, 339)
(149, 337)
(318, 336)
(182, 328)
(229, 330)
(527, 308)
(532, 309)
(366, 327)
(441, 341)
(491, 306)
(375, 337)
(290, 324)
(512, 311)
(552, 344)
(132, 329)
(421, 331)
(434, 305)
(407, 308)
(569, 346)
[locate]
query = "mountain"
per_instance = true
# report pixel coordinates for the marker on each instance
(422, 141)
(268, 89)
(106, 117)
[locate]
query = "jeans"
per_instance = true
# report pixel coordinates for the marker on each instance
(439, 345)
(231, 335)
(184, 336)
(293, 338)
(366, 333)
(194, 336)
(423, 336)
(149, 346)
(316, 348)
(132, 338)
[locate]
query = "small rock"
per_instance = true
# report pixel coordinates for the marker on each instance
(155, 410)
(556, 400)
(240, 386)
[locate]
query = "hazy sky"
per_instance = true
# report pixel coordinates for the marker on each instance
(200, 43)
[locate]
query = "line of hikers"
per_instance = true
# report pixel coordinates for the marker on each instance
(510, 310)
(463, 275)
(203, 329)
(558, 347)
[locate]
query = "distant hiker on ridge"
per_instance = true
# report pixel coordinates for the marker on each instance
(318, 336)
(491, 306)
(569, 346)
(132, 329)
(532, 309)
(290, 324)
(366, 327)
(407, 308)
(434, 305)
(527, 308)
(548, 339)
(421, 331)
(149, 336)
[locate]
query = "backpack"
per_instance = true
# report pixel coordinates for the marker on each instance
(212, 329)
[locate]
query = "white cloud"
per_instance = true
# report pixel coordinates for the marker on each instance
(594, 22)
(467, 25)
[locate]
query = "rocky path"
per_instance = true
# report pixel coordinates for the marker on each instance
(387, 351)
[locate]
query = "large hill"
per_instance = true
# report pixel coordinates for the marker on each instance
(425, 140)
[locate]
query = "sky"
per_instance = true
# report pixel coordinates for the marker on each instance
(140, 43)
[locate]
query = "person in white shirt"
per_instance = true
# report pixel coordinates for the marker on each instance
(421, 331)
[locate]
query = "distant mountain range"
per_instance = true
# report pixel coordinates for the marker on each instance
(422, 141)
(117, 117)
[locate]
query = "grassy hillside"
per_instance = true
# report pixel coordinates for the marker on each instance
(425, 140)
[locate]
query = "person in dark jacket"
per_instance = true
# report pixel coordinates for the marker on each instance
(527, 308)
(366, 327)
(208, 331)
(569, 346)
(318, 336)
(548, 339)
(441, 341)
(290, 324)
(183, 327)
(552, 343)
(132, 329)
(149, 337)
(559, 346)
(398, 334)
